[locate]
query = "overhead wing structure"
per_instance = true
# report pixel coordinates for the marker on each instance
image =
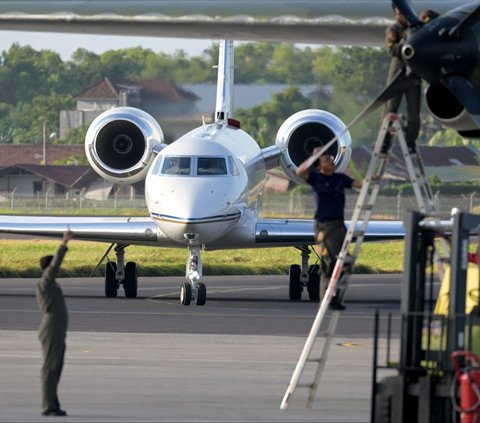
(354, 22)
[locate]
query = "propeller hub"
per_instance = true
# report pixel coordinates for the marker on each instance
(408, 51)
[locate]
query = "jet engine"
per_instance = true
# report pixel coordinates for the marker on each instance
(305, 130)
(121, 144)
(448, 111)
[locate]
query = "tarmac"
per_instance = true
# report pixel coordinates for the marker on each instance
(170, 375)
(183, 378)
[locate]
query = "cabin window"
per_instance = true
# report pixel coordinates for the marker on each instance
(156, 165)
(211, 166)
(233, 167)
(176, 166)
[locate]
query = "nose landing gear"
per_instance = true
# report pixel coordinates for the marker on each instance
(193, 289)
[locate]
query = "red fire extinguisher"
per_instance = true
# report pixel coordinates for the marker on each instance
(467, 373)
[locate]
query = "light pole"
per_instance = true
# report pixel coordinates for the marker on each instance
(52, 136)
(44, 143)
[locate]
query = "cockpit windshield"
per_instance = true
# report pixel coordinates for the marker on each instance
(211, 166)
(195, 166)
(176, 166)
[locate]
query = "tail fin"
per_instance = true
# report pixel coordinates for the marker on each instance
(224, 106)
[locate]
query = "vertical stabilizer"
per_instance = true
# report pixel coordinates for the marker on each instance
(224, 106)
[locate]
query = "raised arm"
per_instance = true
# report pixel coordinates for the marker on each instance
(52, 270)
(304, 169)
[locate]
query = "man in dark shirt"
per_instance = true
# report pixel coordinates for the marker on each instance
(395, 36)
(53, 328)
(329, 226)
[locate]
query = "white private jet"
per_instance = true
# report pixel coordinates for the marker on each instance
(203, 191)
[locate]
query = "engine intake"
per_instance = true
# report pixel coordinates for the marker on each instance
(448, 111)
(305, 130)
(121, 143)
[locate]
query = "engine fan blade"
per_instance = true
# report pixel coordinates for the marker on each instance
(466, 94)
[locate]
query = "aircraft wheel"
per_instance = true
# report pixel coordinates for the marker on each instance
(186, 293)
(111, 284)
(130, 283)
(295, 287)
(314, 283)
(201, 294)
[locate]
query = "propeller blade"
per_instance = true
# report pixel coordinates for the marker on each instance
(465, 24)
(466, 94)
(407, 10)
(399, 84)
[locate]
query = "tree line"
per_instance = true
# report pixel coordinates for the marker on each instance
(36, 84)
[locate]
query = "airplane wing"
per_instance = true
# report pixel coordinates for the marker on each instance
(120, 230)
(297, 232)
(340, 22)
(143, 231)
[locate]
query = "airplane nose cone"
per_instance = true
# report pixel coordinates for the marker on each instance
(195, 208)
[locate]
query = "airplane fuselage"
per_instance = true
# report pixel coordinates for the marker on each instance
(200, 186)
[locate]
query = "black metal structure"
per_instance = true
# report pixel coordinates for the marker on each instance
(421, 390)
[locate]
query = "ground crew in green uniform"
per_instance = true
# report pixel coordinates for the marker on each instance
(329, 226)
(53, 328)
(395, 36)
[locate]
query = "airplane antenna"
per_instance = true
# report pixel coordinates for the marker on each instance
(224, 106)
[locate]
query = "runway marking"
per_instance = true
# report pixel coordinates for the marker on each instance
(72, 356)
(223, 290)
(268, 314)
(352, 344)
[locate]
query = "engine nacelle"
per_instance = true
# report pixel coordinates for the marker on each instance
(120, 144)
(448, 111)
(305, 130)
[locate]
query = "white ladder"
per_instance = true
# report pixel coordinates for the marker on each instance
(363, 209)
(424, 197)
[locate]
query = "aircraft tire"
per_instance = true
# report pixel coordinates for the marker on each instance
(314, 283)
(130, 284)
(201, 294)
(295, 287)
(111, 285)
(186, 293)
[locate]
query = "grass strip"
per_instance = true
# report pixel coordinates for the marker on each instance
(19, 259)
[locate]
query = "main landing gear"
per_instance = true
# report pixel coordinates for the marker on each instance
(193, 289)
(119, 273)
(304, 276)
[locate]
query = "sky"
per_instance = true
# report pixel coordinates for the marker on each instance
(66, 44)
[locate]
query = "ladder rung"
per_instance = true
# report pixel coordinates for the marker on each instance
(303, 385)
(348, 259)
(358, 233)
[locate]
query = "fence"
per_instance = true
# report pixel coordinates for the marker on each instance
(297, 204)
(290, 204)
